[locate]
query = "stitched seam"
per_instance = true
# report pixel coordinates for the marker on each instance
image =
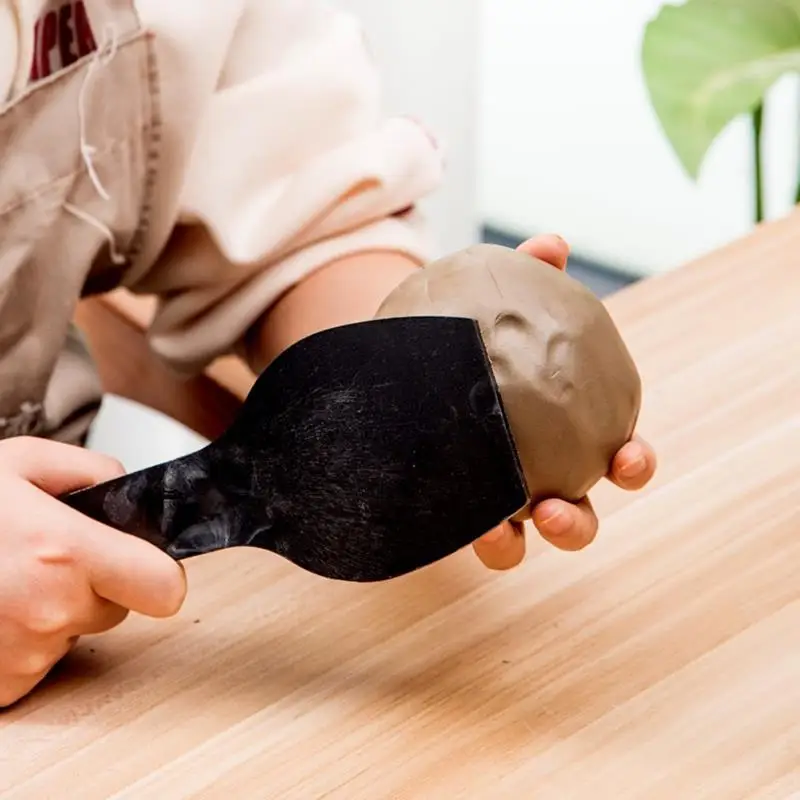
(152, 157)
(108, 148)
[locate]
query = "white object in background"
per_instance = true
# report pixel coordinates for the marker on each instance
(570, 143)
(427, 54)
(138, 436)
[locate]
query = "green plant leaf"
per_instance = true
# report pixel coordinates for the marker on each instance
(706, 62)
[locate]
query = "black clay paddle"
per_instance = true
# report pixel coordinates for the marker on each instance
(488, 382)
(361, 453)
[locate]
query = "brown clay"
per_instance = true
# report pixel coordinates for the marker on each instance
(570, 389)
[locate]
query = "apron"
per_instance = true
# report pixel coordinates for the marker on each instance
(78, 153)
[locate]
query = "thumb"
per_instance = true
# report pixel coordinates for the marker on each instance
(550, 248)
(127, 570)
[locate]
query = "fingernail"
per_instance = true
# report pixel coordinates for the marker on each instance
(557, 524)
(494, 535)
(633, 468)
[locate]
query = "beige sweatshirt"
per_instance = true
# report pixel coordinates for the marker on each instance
(213, 153)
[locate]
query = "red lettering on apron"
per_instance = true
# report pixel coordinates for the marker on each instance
(86, 41)
(66, 36)
(62, 35)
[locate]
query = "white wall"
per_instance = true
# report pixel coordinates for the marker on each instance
(569, 144)
(427, 51)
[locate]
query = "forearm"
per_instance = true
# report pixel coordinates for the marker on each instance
(348, 290)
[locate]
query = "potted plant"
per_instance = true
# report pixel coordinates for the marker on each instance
(707, 62)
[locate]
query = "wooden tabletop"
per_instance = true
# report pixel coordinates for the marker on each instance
(663, 662)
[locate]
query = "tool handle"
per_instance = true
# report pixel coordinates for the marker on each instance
(174, 506)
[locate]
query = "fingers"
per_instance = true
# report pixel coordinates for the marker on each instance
(566, 526)
(104, 616)
(56, 610)
(502, 548)
(28, 667)
(550, 248)
(65, 574)
(28, 655)
(54, 467)
(634, 465)
(573, 527)
(120, 568)
(130, 572)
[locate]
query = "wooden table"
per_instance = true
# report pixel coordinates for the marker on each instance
(663, 662)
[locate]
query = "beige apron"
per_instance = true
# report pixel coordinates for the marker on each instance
(78, 155)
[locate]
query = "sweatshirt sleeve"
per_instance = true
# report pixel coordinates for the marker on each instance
(293, 166)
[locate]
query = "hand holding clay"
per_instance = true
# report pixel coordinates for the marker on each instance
(570, 389)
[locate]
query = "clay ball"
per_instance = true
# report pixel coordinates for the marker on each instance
(569, 387)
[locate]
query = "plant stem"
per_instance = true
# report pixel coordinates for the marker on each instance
(758, 166)
(797, 195)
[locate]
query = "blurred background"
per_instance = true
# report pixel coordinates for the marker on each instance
(545, 112)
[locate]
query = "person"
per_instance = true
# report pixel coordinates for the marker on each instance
(229, 157)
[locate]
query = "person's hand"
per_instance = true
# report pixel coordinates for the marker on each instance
(63, 575)
(567, 526)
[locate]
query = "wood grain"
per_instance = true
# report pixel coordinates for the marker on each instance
(663, 662)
